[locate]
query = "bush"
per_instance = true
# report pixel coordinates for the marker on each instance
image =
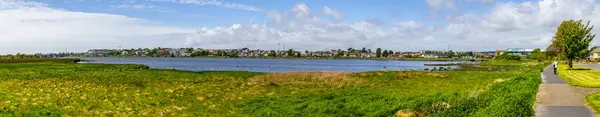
(508, 57)
(142, 67)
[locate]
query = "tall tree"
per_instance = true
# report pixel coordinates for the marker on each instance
(576, 38)
(378, 52)
(364, 50)
(385, 53)
(290, 52)
(536, 50)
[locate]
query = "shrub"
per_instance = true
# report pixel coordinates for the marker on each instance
(142, 67)
(508, 57)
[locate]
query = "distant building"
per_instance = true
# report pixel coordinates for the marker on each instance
(98, 52)
(179, 52)
(595, 54)
(435, 56)
(140, 52)
(516, 51)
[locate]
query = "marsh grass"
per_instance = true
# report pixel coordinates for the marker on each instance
(54, 60)
(66, 89)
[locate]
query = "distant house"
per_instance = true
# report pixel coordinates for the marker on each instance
(98, 52)
(124, 53)
(140, 52)
(435, 56)
(595, 54)
(179, 52)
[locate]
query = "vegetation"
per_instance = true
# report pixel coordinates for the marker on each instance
(57, 60)
(67, 89)
(506, 56)
(579, 76)
(593, 101)
(536, 54)
(573, 39)
(378, 52)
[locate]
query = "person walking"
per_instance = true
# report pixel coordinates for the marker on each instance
(555, 65)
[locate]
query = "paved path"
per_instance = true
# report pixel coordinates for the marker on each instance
(593, 66)
(556, 98)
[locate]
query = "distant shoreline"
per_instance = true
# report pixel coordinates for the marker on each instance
(316, 58)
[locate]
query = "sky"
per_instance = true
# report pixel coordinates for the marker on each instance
(46, 26)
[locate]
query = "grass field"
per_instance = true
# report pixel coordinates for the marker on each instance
(593, 101)
(579, 76)
(65, 89)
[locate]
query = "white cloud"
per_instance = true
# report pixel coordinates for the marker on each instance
(214, 3)
(140, 7)
(482, 1)
(408, 24)
(335, 14)
(300, 30)
(28, 28)
(508, 25)
(441, 4)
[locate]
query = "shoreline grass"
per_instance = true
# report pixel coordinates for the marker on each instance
(67, 89)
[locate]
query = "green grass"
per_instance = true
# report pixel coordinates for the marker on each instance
(53, 60)
(579, 76)
(60, 89)
(593, 101)
(509, 63)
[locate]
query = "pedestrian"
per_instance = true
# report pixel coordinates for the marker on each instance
(555, 65)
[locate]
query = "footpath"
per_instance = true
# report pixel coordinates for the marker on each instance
(556, 98)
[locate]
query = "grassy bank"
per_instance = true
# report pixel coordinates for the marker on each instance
(579, 76)
(52, 60)
(61, 89)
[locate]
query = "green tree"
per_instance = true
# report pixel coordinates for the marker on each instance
(378, 52)
(364, 50)
(537, 54)
(190, 50)
(290, 52)
(535, 51)
(451, 54)
(272, 53)
(576, 38)
(385, 53)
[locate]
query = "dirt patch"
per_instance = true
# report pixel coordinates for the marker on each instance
(318, 78)
(408, 113)
(499, 80)
(442, 105)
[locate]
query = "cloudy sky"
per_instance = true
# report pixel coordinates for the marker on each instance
(31, 26)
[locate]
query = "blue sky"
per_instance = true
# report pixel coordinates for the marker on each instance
(407, 25)
(193, 16)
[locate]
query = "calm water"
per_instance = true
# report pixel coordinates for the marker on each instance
(269, 65)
